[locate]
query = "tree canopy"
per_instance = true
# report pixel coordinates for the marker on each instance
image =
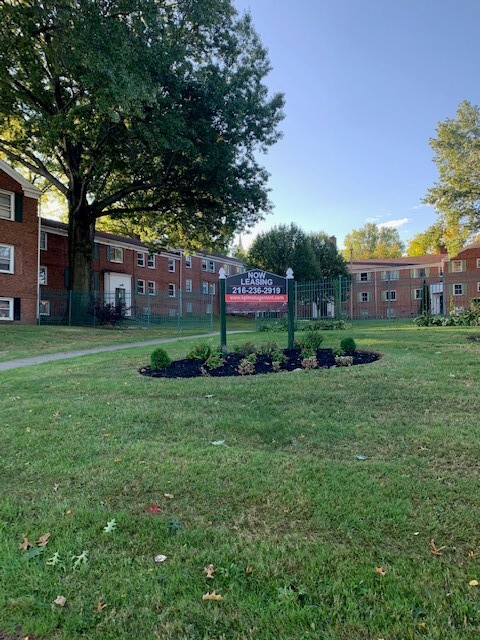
(430, 241)
(456, 194)
(311, 256)
(372, 241)
(139, 109)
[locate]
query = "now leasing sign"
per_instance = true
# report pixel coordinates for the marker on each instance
(256, 286)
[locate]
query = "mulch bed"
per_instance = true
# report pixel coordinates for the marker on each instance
(193, 368)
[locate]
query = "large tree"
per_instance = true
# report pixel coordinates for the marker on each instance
(311, 256)
(430, 241)
(372, 241)
(153, 110)
(456, 195)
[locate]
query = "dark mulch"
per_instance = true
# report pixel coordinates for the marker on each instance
(193, 368)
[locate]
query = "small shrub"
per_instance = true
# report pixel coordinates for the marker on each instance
(107, 313)
(160, 359)
(215, 361)
(268, 349)
(344, 361)
(245, 349)
(276, 365)
(310, 341)
(246, 367)
(310, 362)
(337, 351)
(322, 325)
(202, 351)
(348, 346)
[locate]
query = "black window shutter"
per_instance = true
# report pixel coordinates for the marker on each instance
(16, 308)
(96, 281)
(18, 207)
(67, 278)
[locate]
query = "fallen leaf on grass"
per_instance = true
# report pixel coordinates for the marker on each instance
(209, 396)
(153, 509)
(56, 487)
(361, 457)
(159, 559)
(111, 526)
(209, 570)
(382, 484)
(68, 512)
(435, 550)
(473, 583)
(60, 600)
(219, 443)
(101, 606)
(212, 596)
(249, 569)
(169, 495)
(82, 559)
(472, 554)
(43, 540)
(381, 571)
(55, 560)
(25, 544)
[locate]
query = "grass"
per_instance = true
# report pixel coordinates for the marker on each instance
(89, 440)
(21, 341)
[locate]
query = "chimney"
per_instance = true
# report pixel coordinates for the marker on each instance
(334, 240)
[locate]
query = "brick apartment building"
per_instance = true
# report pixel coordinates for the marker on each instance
(19, 237)
(394, 287)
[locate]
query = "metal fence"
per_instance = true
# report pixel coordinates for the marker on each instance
(380, 296)
(178, 309)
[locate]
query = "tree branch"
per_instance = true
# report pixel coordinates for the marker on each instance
(38, 167)
(121, 193)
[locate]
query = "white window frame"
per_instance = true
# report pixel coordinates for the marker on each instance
(239, 269)
(205, 287)
(391, 296)
(171, 265)
(365, 293)
(12, 205)
(211, 266)
(211, 288)
(361, 278)
(204, 264)
(139, 280)
(478, 286)
(10, 310)
(394, 274)
(417, 273)
(227, 268)
(188, 285)
(458, 293)
(478, 263)
(172, 290)
(44, 245)
(11, 268)
(457, 262)
(45, 279)
(151, 261)
(44, 308)
(151, 289)
(188, 262)
(113, 258)
(418, 294)
(140, 259)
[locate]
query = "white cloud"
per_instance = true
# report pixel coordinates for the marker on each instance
(394, 224)
(373, 219)
(421, 206)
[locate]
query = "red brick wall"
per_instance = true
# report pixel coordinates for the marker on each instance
(24, 238)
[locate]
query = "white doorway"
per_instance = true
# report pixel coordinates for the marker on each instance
(118, 286)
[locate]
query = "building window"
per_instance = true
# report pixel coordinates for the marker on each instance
(420, 273)
(478, 263)
(172, 313)
(6, 258)
(43, 241)
(205, 287)
(365, 296)
(44, 308)
(418, 294)
(140, 259)
(6, 308)
(208, 309)
(457, 266)
(364, 276)
(188, 286)
(392, 275)
(212, 288)
(227, 269)
(189, 307)
(188, 262)
(7, 205)
(171, 290)
(151, 261)
(115, 254)
(239, 269)
(204, 265)
(211, 266)
(141, 286)
(478, 286)
(458, 289)
(42, 275)
(151, 288)
(171, 265)
(390, 296)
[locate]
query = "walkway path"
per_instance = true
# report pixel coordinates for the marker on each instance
(64, 355)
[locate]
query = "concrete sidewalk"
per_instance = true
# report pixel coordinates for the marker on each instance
(65, 355)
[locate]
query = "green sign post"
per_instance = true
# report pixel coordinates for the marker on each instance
(259, 288)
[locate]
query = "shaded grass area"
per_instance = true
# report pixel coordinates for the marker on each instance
(286, 495)
(21, 341)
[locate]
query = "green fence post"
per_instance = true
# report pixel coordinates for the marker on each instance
(70, 308)
(223, 310)
(211, 314)
(291, 307)
(179, 312)
(389, 306)
(148, 308)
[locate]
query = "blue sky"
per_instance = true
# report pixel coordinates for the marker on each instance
(366, 82)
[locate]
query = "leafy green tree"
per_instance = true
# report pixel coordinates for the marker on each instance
(311, 256)
(372, 241)
(139, 109)
(430, 241)
(456, 195)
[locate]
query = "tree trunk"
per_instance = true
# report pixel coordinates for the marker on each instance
(81, 234)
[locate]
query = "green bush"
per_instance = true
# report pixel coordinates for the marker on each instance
(202, 351)
(322, 325)
(310, 341)
(469, 317)
(268, 349)
(160, 359)
(348, 346)
(215, 361)
(245, 349)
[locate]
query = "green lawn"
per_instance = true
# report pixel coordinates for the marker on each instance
(21, 341)
(88, 440)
